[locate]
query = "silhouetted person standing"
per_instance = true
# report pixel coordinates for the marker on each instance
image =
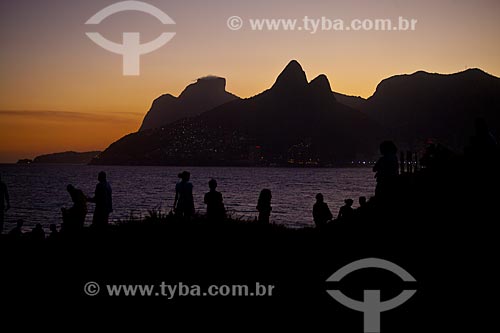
(4, 202)
(74, 217)
(361, 211)
(346, 212)
(321, 211)
(184, 202)
(215, 204)
(103, 201)
(37, 233)
(264, 206)
(386, 170)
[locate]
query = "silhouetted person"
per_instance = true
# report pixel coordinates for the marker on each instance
(17, 232)
(103, 201)
(184, 202)
(4, 202)
(37, 233)
(264, 206)
(346, 212)
(361, 211)
(321, 212)
(386, 169)
(54, 234)
(74, 217)
(215, 205)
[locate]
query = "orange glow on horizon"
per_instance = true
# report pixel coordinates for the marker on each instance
(48, 63)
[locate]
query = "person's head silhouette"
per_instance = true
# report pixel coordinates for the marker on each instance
(362, 201)
(20, 223)
(101, 177)
(348, 202)
(212, 184)
(388, 148)
(185, 176)
(319, 197)
(53, 228)
(70, 188)
(265, 195)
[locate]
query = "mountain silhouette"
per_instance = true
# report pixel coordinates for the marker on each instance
(294, 112)
(205, 94)
(427, 106)
(305, 123)
(69, 157)
(295, 121)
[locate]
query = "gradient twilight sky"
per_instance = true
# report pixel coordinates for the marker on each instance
(59, 91)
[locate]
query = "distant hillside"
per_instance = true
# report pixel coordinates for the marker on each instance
(421, 106)
(301, 122)
(205, 94)
(355, 102)
(69, 157)
(295, 122)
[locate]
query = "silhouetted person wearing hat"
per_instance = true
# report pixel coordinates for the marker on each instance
(184, 202)
(216, 211)
(264, 206)
(74, 217)
(346, 212)
(387, 170)
(103, 201)
(321, 211)
(4, 202)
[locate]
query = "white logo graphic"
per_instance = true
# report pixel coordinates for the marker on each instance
(372, 306)
(131, 49)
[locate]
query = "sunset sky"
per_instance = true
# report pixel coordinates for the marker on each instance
(60, 91)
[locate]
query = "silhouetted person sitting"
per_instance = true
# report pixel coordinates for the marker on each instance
(54, 234)
(346, 212)
(215, 205)
(103, 201)
(184, 202)
(321, 212)
(387, 170)
(37, 233)
(17, 232)
(4, 202)
(74, 217)
(264, 206)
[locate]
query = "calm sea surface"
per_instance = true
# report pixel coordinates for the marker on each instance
(39, 191)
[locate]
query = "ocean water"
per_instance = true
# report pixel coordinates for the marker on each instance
(39, 191)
